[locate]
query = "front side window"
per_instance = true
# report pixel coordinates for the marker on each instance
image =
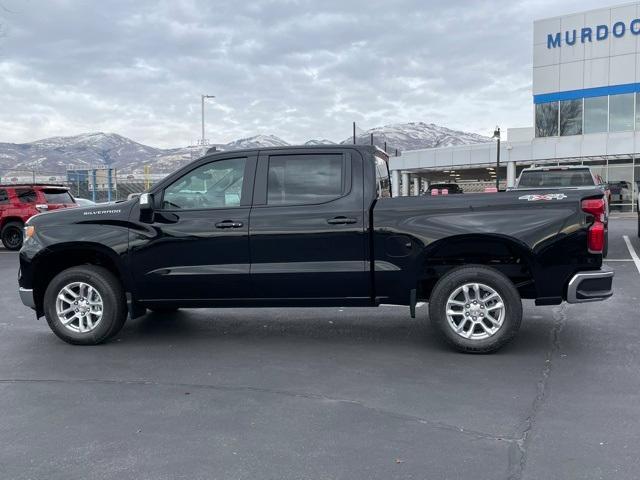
(4, 198)
(595, 114)
(305, 179)
(26, 195)
(571, 117)
(621, 112)
(214, 185)
(547, 119)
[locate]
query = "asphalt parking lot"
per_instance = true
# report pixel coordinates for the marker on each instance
(325, 394)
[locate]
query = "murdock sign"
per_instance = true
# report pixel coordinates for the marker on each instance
(597, 33)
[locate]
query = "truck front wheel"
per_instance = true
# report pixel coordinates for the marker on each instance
(476, 309)
(85, 305)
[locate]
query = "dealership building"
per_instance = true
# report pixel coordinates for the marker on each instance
(586, 111)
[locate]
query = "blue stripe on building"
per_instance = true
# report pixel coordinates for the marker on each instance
(587, 93)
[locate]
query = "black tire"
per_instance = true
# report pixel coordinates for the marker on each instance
(114, 312)
(605, 250)
(12, 235)
(490, 277)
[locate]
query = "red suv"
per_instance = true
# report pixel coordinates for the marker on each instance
(18, 203)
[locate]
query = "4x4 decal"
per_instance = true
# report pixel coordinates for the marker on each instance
(547, 196)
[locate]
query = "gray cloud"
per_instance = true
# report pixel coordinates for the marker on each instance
(297, 69)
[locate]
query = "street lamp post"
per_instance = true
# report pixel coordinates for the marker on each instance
(496, 134)
(203, 141)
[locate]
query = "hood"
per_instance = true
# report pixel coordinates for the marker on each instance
(92, 213)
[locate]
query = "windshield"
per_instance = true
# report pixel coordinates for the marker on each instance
(556, 178)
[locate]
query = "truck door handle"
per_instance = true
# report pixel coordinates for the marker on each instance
(228, 224)
(341, 221)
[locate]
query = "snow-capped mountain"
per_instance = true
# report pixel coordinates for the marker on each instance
(322, 141)
(54, 155)
(415, 136)
(257, 141)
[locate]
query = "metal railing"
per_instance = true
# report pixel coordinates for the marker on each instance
(119, 187)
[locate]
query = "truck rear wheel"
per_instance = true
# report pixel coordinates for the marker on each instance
(12, 235)
(476, 309)
(85, 305)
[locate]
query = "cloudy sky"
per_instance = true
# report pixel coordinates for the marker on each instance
(296, 69)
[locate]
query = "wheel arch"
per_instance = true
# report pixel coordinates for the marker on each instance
(5, 220)
(59, 257)
(506, 254)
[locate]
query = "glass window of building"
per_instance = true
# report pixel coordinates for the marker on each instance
(595, 114)
(621, 112)
(637, 112)
(571, 117)
(547, 119)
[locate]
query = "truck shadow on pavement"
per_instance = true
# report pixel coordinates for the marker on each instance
(355, 326)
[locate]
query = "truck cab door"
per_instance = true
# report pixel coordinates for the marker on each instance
(307, 229)
(196, 248)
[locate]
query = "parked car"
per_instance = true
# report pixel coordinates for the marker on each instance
(18, 203)
(314, 226)
(621, 191)
(452, 188)
(84, 202)
(574, 177)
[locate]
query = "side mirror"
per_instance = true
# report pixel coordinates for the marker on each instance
(146, 202)
(146, 207)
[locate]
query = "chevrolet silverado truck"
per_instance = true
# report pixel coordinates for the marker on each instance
(313, 227)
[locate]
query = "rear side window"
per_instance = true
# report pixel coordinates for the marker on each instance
(26, 195)
(4, 197)
(556, 178)
(57, 196)
(305, 179)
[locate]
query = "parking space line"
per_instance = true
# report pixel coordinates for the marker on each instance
(632, 251)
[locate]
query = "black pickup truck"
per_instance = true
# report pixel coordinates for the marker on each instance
(311, 227)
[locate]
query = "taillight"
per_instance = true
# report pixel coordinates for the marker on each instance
(595, 237)
(595, 207)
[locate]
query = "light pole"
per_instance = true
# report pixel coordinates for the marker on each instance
(496, 134)
(203, 142)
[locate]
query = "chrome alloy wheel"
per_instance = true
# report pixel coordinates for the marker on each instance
(79, 307)
(475, 311)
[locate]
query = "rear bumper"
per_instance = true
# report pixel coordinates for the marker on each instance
(26, 296)
(591, 286)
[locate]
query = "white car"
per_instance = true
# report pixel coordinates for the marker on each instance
(84, 202)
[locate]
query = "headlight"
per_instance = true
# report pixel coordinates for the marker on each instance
(29, 231)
